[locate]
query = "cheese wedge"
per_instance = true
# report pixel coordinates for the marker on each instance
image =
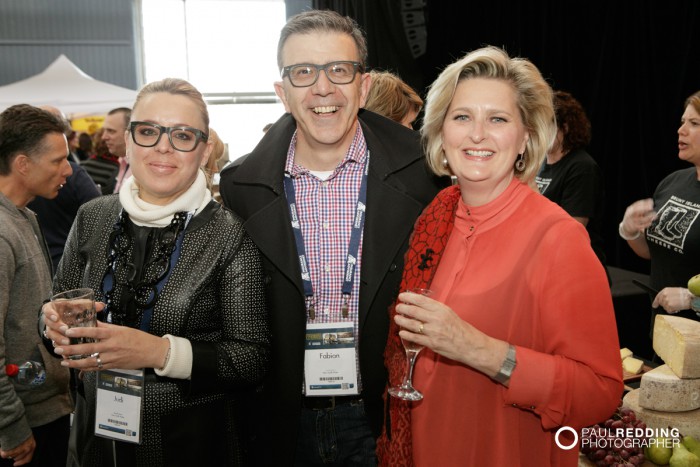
(661, 389)
(632, 365)
(625, 352)
(687, 423)
(677, 342)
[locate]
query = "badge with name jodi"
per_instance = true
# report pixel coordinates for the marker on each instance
(119, 397)
(330, 367)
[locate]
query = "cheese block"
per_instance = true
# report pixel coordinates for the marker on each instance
(624, 353)
(661, 389)
(677, 342)
(632, 365)
(687, 423)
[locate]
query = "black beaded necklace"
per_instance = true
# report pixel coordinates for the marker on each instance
(144, 292)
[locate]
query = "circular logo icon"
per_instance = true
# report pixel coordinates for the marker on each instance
(570, 446)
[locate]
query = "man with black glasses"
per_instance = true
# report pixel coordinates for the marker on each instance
(329, 196)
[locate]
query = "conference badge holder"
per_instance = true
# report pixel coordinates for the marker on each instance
(330, 367)
(119, 401)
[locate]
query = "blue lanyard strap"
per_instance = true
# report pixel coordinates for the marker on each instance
(353, 247)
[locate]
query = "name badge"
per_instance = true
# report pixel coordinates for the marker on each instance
(330, 367)
(119, 396)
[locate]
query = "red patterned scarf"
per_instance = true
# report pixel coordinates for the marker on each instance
(428, 240)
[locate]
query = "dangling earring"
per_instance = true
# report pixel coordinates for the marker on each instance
(520, 163)
(445, 164)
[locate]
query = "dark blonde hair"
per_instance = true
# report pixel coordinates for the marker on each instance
(327, 21)
(391, 97)
(534, 101)
(217, 152)
(178, 87)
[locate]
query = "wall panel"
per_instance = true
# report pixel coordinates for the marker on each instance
(97, 35)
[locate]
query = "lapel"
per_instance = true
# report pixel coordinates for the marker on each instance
(269, 223)
(390, 210)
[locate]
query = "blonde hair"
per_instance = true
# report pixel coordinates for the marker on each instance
(217, 152)
(178, 87)
(534, 101)
(391, 97)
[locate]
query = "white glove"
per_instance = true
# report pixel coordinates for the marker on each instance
(638, 216)
(673, 299)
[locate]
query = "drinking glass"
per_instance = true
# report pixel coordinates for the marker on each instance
(406, 391)
(77, 309)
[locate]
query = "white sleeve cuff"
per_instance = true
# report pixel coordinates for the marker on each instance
(179, 364)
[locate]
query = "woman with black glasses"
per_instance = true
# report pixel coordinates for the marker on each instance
(184, 332)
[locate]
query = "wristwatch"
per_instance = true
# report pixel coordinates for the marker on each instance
(503, 375)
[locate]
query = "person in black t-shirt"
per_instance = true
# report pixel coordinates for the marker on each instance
(666, 229)
(570, 177)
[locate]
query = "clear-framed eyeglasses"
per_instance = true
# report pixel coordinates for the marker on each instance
(183, 139)
(303, 75)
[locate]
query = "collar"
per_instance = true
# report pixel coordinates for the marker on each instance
(11, 207)
(393, 147)
(357, 152)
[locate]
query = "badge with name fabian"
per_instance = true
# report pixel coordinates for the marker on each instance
(330, 368)
(119, 396)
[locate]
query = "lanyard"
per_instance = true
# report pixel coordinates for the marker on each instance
(353, 247)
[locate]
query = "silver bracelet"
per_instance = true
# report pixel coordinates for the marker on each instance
(626, 237)
(507, 367)
(167, 358)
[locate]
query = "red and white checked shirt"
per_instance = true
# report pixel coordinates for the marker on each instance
(326, 211)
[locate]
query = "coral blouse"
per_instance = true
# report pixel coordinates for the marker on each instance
(522, 270)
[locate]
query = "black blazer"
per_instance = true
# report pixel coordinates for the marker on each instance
(399, 187)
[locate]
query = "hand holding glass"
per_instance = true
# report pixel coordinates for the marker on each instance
(406, 391)
(77, 309)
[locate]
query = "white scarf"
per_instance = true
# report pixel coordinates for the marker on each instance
(146, 214)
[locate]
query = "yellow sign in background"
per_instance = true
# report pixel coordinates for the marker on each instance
(87, 124)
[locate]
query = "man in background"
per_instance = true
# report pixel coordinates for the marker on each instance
(110, 172)
(56, 215)
(34, 420)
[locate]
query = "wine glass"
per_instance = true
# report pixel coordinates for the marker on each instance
(406, 391)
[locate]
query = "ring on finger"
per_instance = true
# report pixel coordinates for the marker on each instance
(99, 361)
(420, 328)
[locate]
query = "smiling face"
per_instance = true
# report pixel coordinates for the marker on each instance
(482, 136)
(326, 113)
(163, 173)
(689, 136)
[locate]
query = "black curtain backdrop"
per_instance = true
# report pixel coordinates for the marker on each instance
(631, 64)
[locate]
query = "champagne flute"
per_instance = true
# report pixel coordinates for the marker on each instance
(406, 391)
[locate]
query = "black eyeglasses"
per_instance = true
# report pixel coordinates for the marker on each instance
(306, 74)
(183, 139)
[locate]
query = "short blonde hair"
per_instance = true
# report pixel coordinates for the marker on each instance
(534, 100)
(391, 97)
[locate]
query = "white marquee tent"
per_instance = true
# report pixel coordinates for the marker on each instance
(67, 87)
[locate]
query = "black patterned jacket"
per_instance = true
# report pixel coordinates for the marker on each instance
(213, 297)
